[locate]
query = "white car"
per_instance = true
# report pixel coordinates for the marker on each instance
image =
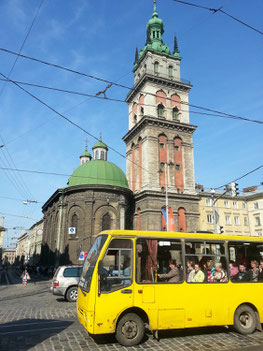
(65, 282)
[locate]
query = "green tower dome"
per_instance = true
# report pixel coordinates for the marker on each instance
(98, 172)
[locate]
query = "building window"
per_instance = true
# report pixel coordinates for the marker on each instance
(235, 204)
(162, 146)
(162, 164)
(160, 110)
(244, 205)
(156, 67)
(208, 202)
(170, 71)
(228, 220)
(226, 204)
(209, 218)
(177, 148)
(245, 221)
(255, 205)
(175, 113)
(102, 153)
(135, 119)
(74, 222)
(236, 220)
(106, 222)
(177, 167)
(257, 220)
(96, 154)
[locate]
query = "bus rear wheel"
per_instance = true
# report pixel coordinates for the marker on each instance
(130, 330)
(245, 320)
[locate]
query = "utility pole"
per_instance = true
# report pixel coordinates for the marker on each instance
(166, 197)
(213, 205)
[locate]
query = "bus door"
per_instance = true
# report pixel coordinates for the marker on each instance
(115, 290)
(161, 294)
(207, 297)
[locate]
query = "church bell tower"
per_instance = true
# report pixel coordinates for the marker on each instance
(159, 144)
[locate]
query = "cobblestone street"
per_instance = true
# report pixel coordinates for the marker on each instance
(33, 319)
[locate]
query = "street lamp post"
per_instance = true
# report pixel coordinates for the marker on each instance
(166, 197)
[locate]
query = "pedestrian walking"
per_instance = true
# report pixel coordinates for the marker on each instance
(25, 277)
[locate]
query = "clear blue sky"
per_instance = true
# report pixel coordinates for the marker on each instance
(222, 58)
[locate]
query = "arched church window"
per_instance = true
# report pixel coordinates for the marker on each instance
(160, 110)
(97, 155)
(170, 71)
(156, 67)
(135, 118)
(102, 155)
(153, 34)
(175, 113)
(74, 222)
(106, 222)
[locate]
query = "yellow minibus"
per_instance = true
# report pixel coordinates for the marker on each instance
(132, 280)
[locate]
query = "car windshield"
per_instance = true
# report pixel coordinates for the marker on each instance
(90, 262)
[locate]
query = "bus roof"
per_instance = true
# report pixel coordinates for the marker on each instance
(180, 235)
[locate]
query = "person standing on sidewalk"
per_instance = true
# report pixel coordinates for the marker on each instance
(25, 277)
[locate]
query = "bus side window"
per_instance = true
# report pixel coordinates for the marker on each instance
(117, 266)
(205, 262)
(245, 261)
(159, 260)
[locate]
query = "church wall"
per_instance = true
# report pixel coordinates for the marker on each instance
(89, 204)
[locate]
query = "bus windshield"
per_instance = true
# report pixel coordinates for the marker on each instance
(90, 262)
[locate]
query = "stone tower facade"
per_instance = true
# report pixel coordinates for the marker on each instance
(159, 141)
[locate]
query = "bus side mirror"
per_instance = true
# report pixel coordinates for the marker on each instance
(100, 266)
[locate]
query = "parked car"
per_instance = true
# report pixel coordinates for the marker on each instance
(65, 282)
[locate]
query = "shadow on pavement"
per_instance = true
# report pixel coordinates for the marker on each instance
(24, 334)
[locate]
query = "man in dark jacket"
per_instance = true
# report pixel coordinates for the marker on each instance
(242, 275)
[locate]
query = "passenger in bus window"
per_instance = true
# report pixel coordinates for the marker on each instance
(209, 271)
(219, 275)
(242, 275)
(241, 259)
(260, 273)
(199, 276)
(233, 269)
(254, 271)
(174, 275)
(190, 271)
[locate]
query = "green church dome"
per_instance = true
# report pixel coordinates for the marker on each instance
(98, 172)
(100, 144)
(85, 153)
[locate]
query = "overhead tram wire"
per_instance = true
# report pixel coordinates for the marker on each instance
(54, 117)
(71, 122)
(218, 113)
(241, 177)
(219, 10)
(114, 83)
(19, 178)
(15, 215)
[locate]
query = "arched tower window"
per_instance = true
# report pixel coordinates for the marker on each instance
(178, 162)
(106, 222)
(156, 67)
(141, 104)
(175, 113)
(170, 71)
(181, 220)
(160, 110)
(96, 155)
(102, 155)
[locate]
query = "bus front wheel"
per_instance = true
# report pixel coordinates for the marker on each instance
(130, 330)
(245, 320)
